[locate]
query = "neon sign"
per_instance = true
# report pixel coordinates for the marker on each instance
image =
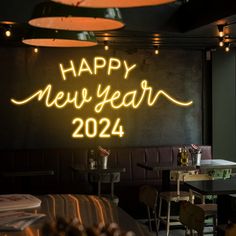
(105, 96)
(98, 64)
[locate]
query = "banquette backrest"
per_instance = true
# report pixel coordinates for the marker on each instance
(65, 180)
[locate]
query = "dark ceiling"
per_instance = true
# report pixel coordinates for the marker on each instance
(182, 24)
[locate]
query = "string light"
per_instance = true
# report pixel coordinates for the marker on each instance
(156, 50)
(36, 50)
(221, 30)
(227, 47)
(106, 47)
(221, 42)
(8, 33)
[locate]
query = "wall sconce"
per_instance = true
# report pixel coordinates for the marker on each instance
(59, 38)
(52, 15)
(221, 30)
(113, 3)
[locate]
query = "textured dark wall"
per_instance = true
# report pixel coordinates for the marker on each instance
(224, 106)
(32, 125)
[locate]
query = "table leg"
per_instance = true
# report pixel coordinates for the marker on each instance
(191, 196)
(178, 186)
(99, 186)
(165, 180)
(112, 189)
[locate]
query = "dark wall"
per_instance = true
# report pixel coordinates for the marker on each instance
(224, 105)
(33, 125)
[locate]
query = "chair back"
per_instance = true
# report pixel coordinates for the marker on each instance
(230, 230)
(192, 217)
(148, 195)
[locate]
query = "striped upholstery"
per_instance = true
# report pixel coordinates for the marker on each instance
(90, 210)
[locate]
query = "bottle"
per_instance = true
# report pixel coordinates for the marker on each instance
(184, 157)
(179, 155)
(91, 160)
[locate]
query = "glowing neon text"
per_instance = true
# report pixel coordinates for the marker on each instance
(98, 64)
(91, 128)
(115, 99)
(60, 100)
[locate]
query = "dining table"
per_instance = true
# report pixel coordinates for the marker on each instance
(213, 187)
(206, 166)
(221, 185)
(223, 189)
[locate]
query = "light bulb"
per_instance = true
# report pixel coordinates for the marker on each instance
(221, 33)
(221, 43)
(106, 47)
(221, 30)
(8, 33)
(36, 50)
(227, 49)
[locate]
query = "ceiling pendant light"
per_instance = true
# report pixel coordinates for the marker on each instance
(113, 3)
(59, 38)
(58, 16)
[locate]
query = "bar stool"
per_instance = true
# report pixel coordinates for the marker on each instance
(170, 197)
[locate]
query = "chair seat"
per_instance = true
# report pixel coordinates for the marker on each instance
(171, 196)
(209, 209)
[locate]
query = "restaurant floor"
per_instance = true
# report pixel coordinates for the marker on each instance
(179, 232)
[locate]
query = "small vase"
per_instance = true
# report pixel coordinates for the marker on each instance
(103, 162)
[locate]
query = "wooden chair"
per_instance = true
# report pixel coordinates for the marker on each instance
(170, 197)
(149, 196)
(230, 230)
(192, 217)
(210, 209)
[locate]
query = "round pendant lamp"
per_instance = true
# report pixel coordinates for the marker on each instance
(59, 38)
(113, 3)
(58, 16)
